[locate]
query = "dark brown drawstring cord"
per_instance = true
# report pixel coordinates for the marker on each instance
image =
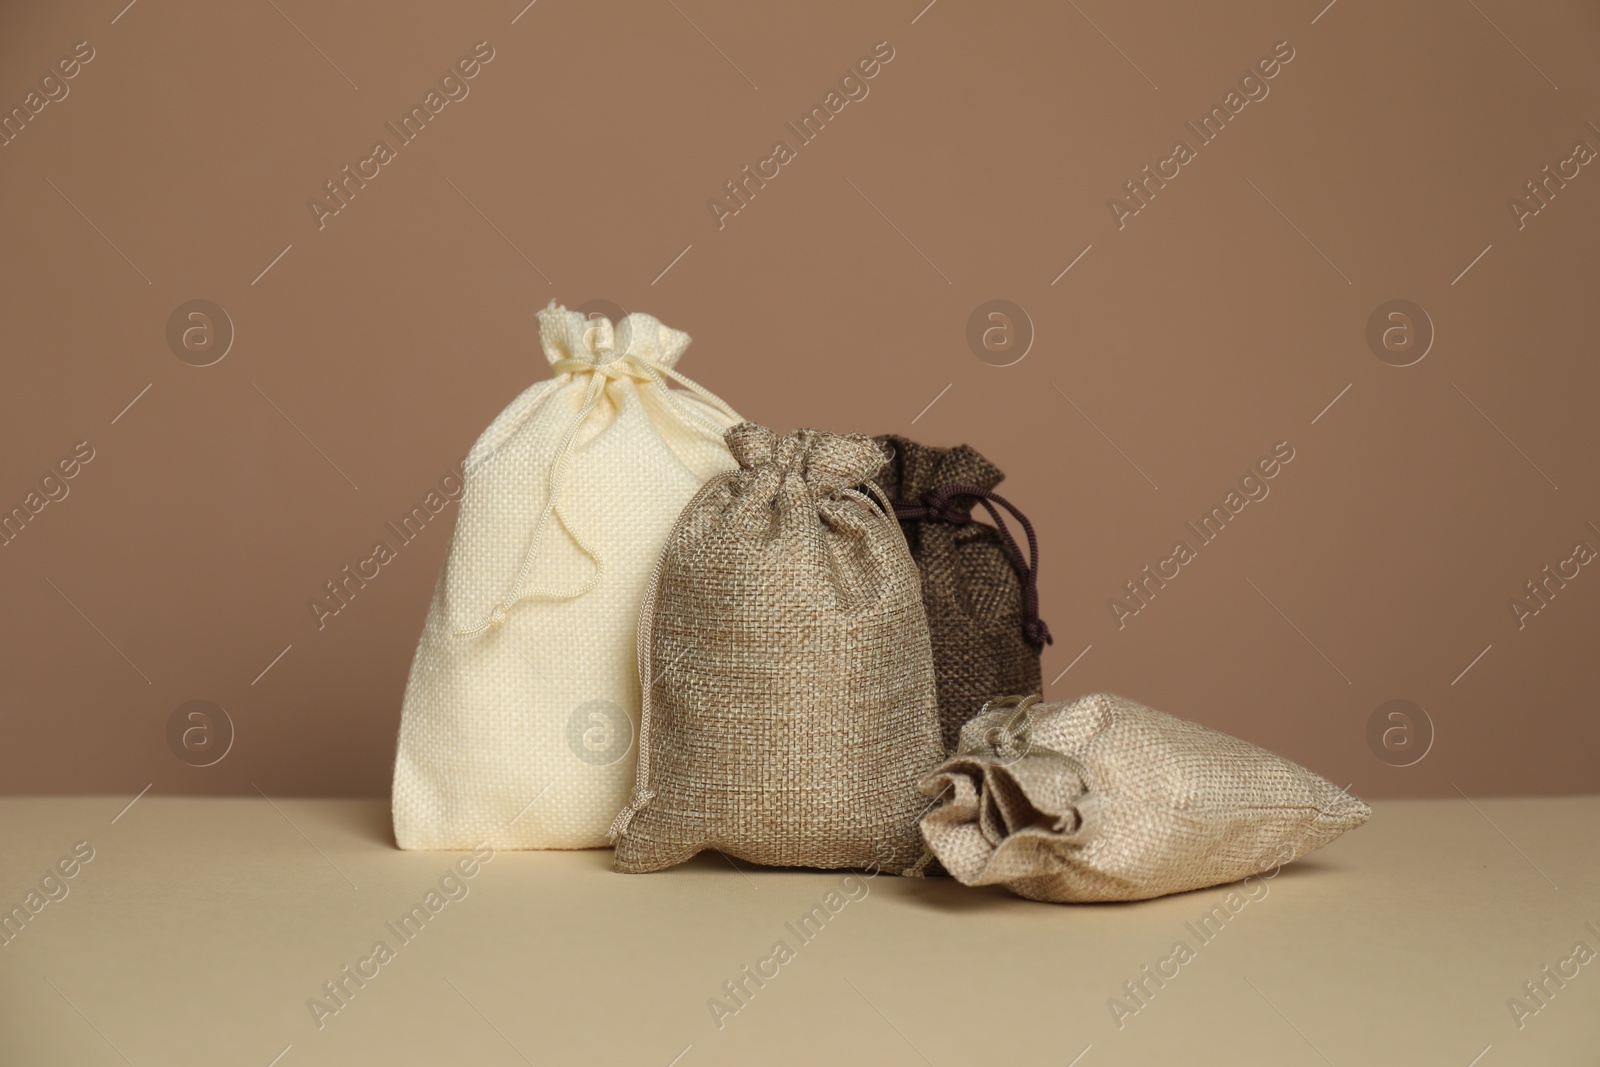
(937, 505)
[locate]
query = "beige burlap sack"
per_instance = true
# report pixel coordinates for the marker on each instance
(518, 723)
(1105, 799)
(787, 675)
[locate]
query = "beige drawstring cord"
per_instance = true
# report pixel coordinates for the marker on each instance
(626, 366)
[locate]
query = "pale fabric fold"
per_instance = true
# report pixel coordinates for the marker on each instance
(1104, 799)
(522, 706)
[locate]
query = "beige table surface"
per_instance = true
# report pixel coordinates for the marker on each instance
(202, 927)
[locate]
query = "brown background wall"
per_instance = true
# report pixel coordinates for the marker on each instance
(1223, 318)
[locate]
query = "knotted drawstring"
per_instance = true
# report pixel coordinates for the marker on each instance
(627, 366)
(938, 505)
(638, 800)
(1010, 739)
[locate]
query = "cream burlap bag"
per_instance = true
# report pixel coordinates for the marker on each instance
(790, 707)
(519, 718)
(1105, 799)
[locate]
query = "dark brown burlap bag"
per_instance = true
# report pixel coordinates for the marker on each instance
(981, 595)
(789, 705)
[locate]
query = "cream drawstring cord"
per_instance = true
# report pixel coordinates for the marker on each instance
(627, 366)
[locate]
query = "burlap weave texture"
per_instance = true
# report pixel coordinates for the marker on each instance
(1105, 799)
(520, 713)
(790, 706)
(970, 585)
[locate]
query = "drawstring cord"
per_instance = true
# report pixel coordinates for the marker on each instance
(937, 505)
(626, 366)
(641, 795)
(1010, 739)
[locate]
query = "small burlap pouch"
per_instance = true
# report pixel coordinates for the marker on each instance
(788, 683)
(981, 595)
(1105, 799)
